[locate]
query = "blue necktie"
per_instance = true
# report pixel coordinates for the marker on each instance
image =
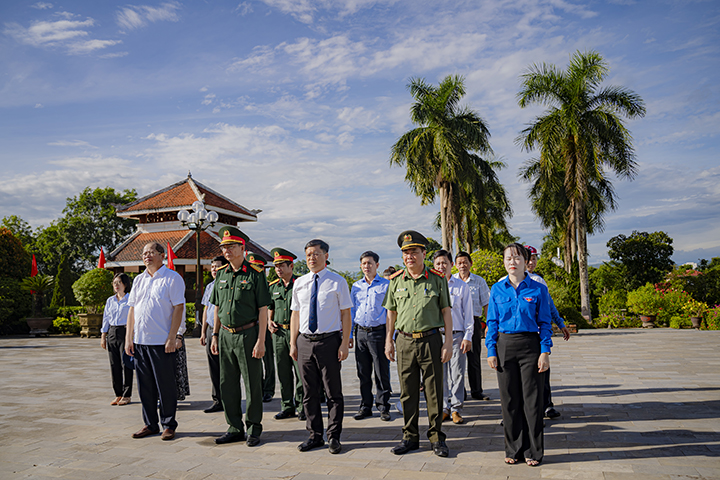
(313, 305)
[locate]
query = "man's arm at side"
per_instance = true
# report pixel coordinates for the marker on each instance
(130, 333)
(259, 349)
(294, 332)
(346, 326)
(389, 333)
(177, 315)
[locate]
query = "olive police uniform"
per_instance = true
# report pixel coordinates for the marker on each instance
(238, 296)
(258, 263)
(291, 390)
(419, 303)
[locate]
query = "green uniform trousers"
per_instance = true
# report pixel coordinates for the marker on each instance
(236, 363)
(268, 366)
(291, 389)
(415, 356)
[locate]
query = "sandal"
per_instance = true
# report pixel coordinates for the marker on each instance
(510, 461)
(116, 401)
(124, 401)
(531, 463)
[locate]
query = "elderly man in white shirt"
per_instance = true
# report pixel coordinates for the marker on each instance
(480, 294)
(319, 340)
(462, 333)
(157, 305)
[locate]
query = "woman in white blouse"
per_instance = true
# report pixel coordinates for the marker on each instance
(113, 338)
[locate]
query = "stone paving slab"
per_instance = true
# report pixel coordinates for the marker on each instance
(636, 404)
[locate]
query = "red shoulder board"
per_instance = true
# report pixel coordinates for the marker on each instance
(396, 274)
(436, 272)
(274, 281)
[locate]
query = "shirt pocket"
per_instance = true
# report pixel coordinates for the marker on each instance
(429, 297)
(504, 307)
(242, 290)
(528, 304)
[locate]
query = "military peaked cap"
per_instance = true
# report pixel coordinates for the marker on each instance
(410, 239)
(281, 255)
(232, 235)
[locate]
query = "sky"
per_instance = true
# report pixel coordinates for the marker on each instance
(291, 107)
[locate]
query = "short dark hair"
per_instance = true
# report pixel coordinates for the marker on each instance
(520, 249)
(220, 259)
(158, 247)
(389, 271)
(318, 243)
(125, 280)
(372, 254)
(463, 254)
(442, 253)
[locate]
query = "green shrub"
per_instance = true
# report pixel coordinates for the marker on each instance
(712, 319)
(673, 305)
(613, 301)
(617, 320)
(571, 315)
(66, 325)
(190, 317)
(93, 289)
(488, 265)
(645, 300)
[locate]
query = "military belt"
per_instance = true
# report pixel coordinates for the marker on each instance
(239, 329)
(371, 329)
(424, 334)
(284, 327)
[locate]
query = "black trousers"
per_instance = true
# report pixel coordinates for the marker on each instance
(122, 377)
(370, 358)
(521, 395)
(474, 360)
(214, 369)
(547, 394)
(319, 366)
(156, 381)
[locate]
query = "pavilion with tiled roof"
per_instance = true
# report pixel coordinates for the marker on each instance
(157, 222)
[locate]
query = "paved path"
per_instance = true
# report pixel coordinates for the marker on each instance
(636, 404)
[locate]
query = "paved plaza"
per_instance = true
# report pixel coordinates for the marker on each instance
(636, 404)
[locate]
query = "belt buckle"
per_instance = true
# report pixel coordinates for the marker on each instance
(417, 335)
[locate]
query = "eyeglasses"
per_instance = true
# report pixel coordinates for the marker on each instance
(150, 253)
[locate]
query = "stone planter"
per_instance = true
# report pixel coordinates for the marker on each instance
(648, 321)
(696, 322)
(90, 323)
(39, 326)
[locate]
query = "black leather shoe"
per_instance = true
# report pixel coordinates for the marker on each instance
(267, 397)
(405, 447)
(480, 396)
(253, 441)
(440, 449)
(311, 443)
(552, 413)
(215, 407)
(362, 414)
(334, 446)
(385, 416)
(285, 414)
(230, 437)
(301, 415)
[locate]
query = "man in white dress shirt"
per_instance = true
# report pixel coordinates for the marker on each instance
(462, 333)
(157, 305)
(480, 294)
(319, 340)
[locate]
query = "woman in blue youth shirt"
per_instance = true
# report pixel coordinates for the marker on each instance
(113, 338)
(518, 341)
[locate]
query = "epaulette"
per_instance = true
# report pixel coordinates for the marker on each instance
(220, 268)
(399, 272)
(274, 281)
(437, 273)
(257, 268)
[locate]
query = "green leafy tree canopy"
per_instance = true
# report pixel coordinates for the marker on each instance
(644, 256)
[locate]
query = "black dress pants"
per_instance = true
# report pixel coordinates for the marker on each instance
(474, 360)
(547, 394)
(319, 366)
(122, 377)
(370, 358)
(214, 368)
(521, 395)
(156, 381)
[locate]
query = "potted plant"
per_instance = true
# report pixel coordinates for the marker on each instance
(92, 290)
(695, 310)
(646, 302)
(37, 286)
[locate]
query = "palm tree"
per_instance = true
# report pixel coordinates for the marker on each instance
(437, 154)
(581, 135)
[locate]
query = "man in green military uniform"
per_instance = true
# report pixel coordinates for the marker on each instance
(291, 390)
(418, 305)
(241, 295)
(258, 263)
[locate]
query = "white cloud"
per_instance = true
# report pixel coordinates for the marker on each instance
(42, 5)
(136, 16)
(38, 105)
(71, 143)
(302, 10)
(244, 8)
(208, 99)
(68, 34)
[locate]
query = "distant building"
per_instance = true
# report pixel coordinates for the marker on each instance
(157, 221)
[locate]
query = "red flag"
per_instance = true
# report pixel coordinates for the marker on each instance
(33, 269)
(101, 260)
(171, 257)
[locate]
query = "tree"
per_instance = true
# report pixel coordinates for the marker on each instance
(644, 256)
(437, 154)
(15, 303)
(20, 228)
(62, 292)
(581, 135)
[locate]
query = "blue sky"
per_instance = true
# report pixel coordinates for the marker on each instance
(291, 106)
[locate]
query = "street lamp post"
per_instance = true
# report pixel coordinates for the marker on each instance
(198, 220)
